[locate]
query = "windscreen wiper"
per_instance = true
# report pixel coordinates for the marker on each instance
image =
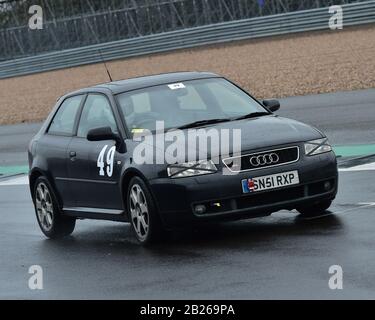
(253, 115)
(202, 123)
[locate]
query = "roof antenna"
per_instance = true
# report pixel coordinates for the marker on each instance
(105, 66)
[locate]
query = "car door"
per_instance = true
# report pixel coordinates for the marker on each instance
(93, 166)
(53, 145)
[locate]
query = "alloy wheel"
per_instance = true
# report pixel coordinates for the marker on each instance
(44, 206)
(139, 211)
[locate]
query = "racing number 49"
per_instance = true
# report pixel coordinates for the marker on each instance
(109, 161)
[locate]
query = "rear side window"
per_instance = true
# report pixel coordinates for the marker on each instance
(63, 121)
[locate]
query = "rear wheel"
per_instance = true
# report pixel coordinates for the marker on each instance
(142, 211)
(316, 209)
(52, 223)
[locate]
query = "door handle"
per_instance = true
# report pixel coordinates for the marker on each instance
(72, 155)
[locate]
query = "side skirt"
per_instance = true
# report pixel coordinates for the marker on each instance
(96, 213)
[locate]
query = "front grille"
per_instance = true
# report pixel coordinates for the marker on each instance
(264, 159)
(270, 197)
(254, 200)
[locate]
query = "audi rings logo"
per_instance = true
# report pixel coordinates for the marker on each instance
(264, 159)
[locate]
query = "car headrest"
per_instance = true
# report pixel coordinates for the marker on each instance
(163, 100)
(127, 105)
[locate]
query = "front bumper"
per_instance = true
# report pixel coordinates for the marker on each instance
(176, 198)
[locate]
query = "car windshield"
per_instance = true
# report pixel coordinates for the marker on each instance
(199, 101)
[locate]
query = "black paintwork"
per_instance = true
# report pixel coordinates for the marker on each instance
(70, 164)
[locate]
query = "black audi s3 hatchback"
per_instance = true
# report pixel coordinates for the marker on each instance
(171, 150)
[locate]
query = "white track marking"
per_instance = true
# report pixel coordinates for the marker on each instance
(370, 204)
(20, 180)
(341, 213)
(317, 217)
(362, 205)
(362, 167)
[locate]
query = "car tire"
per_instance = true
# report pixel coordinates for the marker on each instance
(48, 213)
(316, 209)
(143, 215)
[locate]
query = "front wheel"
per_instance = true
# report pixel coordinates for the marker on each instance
(142, 211)
(315, 209)
(52, 223)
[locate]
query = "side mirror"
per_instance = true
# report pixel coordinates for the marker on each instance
(106, 133)
(271, 105)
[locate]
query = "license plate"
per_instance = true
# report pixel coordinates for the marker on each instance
(272, 181)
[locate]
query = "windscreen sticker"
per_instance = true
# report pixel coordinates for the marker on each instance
(137, 130)
(175, 86)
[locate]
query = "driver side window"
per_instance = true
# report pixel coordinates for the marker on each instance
(63, 121)
(96, 113)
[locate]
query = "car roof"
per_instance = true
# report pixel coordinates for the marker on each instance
(149, 81)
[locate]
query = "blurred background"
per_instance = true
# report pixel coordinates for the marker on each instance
(71, 24)
(273, 48)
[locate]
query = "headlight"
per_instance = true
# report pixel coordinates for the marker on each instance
(317, 147)
(189, 169)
